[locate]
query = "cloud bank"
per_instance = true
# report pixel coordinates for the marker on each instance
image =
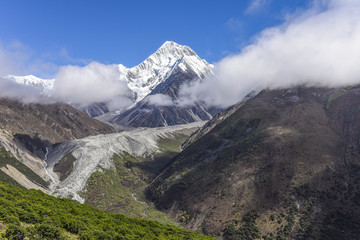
(92, 83)
(77, 85)
(319, 47)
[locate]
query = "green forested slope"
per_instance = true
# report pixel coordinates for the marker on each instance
(34, 215)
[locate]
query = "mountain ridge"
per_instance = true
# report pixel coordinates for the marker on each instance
(142, 78)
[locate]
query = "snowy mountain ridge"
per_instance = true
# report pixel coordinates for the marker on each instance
(143, 78)
(44, 84)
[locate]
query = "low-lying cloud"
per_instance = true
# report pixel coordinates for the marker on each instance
(159, 100)
(319, 47)
(27, 94)
(94, 82)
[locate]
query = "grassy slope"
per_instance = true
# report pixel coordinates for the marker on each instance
(40, 216)
(280, 155)
(121, 190)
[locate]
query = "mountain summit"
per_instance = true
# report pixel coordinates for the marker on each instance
(162, 75)
(143, 78)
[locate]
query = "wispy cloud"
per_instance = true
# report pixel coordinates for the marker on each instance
(256, 5)
(18, 59)
(64, 53)
(235, 24)
(10, 56)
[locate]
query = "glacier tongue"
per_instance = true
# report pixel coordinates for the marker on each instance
(96, 151)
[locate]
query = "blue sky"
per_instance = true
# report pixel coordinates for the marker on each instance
(54, 33)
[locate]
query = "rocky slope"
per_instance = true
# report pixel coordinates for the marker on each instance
(284, 165)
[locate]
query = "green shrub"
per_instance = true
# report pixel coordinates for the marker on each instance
(15, 232)
(247, 231)
(73, 226)
(49, 217)
(10, 219)
(47, 231)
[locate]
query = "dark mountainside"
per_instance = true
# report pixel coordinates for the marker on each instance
(36, 126)
(284, 165)
(95, 110)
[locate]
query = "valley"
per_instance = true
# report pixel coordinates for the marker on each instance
(163, 120)
(111, 171)
(280, 164)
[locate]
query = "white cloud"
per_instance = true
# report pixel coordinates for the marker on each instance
(256, 5)
(319, 47)
(159, 100)
(94, 82)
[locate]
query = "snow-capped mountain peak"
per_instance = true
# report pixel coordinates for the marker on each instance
(143, 78)
(44, 84)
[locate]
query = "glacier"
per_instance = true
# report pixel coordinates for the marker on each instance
(95, 152)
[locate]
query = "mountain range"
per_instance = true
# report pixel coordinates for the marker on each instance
(280, 164)
(161, 73)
